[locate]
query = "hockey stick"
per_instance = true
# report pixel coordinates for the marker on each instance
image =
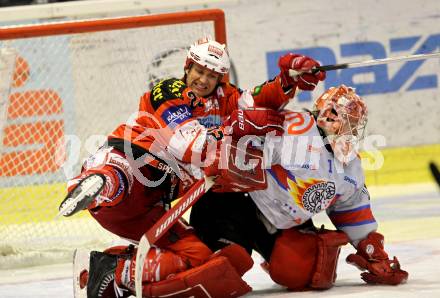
(368, 63)
(435, 172)
(164, 224)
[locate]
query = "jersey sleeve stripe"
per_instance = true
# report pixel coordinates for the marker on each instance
(367, 206)
(360, 223)
(354, 217)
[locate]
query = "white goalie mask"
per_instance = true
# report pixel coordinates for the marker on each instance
(342, 115)
(210, 54)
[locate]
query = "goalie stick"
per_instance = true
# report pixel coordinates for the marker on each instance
(81, 259)
(165, 223)
(369, 63)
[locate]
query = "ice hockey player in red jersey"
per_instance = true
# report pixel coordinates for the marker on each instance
(147, 162)
(313, 167)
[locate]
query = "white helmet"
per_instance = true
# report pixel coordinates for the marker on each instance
(210, 54)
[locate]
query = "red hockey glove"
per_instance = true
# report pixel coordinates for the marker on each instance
(372, 257)
(255, 121)
(305, 80)
(236, 169)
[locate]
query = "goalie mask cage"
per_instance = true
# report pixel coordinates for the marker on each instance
(63, 87)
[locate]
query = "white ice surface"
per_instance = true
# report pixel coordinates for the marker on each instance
(409, 218)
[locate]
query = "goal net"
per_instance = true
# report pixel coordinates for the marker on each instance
(63, 87)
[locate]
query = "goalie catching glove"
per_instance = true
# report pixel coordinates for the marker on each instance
(372, 257)
(303, 65)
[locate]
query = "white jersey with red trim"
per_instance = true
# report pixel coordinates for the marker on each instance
(306, 179)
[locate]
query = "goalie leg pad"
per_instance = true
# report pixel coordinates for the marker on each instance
(306, 260)
(237, 256)
(293, 259)
(160, 264)
(191, 250)
(329, 247)
(216, 278)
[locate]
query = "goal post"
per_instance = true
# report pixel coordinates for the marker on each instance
(215, 15)
(69, 85)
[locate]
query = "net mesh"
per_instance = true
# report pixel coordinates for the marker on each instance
(60, 96)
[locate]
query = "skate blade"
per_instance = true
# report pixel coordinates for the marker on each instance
(81, 262)
(91, 184)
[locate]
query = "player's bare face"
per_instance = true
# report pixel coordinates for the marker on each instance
(202, 80)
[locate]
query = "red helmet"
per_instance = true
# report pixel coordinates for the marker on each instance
(343, 117)
(210, 54)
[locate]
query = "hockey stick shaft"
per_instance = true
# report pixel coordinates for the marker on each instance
(165, 223)
(435, 172)
(369, 62)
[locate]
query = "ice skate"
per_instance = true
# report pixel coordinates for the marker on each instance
(94, 275)
(82, 195)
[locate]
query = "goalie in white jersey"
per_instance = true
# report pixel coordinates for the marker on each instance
(314, 167)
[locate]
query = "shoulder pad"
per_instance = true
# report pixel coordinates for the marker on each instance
(168, 89)
(165, 90)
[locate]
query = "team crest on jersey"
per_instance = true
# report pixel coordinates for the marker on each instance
(312, 195)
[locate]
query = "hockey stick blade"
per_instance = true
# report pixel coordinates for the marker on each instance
(164, 224)
(372, 62)
(435, 172)
(81, 261)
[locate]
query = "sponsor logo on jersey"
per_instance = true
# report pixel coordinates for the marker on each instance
(312, 195)
(305, 166)
(240, 117)
(350, 180)
(176, 115)
(298, 124)
(165, 90)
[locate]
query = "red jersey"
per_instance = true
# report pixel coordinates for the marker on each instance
(172, 117)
